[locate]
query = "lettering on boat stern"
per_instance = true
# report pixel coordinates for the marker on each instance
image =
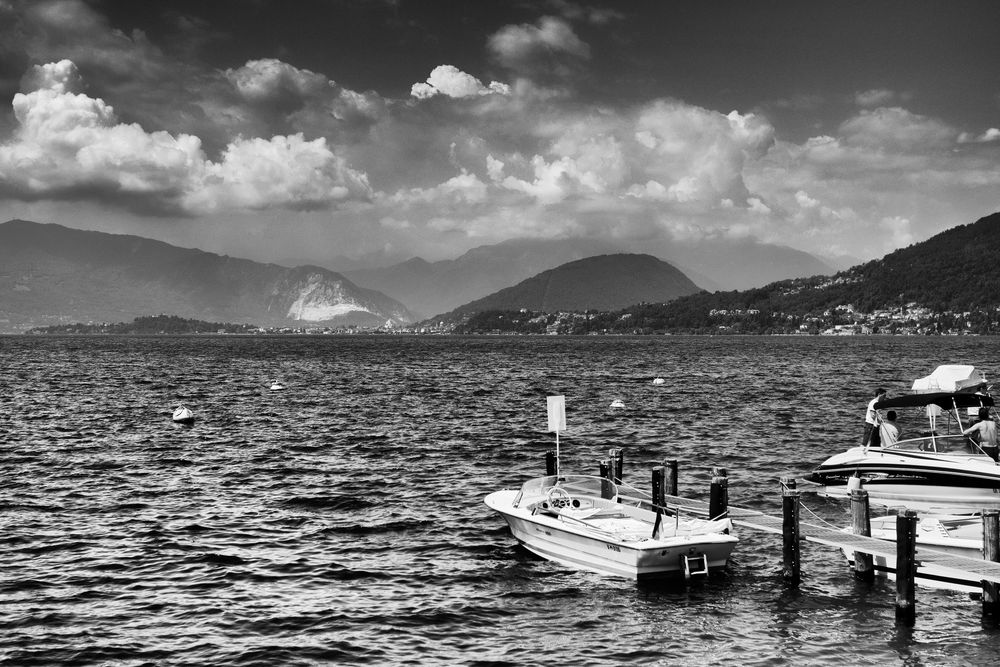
(614, 547)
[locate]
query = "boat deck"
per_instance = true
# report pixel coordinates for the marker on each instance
(981, 569)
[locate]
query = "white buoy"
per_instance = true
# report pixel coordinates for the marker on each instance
(183, 415)
(659, 381)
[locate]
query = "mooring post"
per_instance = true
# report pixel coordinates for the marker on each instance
(605, 473)
(787, 483)
(671, 487)
(550, 463)
(991, 552)
(906, 567)
(718, 497)
(790, 536)
(617, 455)
(861, 524)
(659, 486)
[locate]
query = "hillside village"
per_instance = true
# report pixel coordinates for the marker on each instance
(910, 319)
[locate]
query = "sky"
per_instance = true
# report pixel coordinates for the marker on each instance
(379, 130)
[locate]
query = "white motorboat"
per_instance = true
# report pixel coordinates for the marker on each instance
(183, 415)
(659, 381)
(276, 386)
(960, 535)
(940, 470)
(588, 523)
(617, 404)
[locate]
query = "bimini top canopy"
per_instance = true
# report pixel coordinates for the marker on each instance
(944, 400)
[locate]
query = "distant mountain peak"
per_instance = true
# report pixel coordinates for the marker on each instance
(602, 282)
(54, 274)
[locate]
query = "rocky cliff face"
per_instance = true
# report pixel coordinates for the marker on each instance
(318, 295)
(51, 274)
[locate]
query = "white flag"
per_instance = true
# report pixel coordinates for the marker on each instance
(557, 413)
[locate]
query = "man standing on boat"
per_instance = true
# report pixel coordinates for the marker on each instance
(986, 429)
(871, 421)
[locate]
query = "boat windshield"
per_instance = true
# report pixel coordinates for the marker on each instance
(584, 485)
(941, 444)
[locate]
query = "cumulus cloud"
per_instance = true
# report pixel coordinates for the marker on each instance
(548, 46)
(897, 128)
(465, 188)
(876, 97)
(695, 154)
(990, 135)
(899, 229)
(70, 145)
(291, 99)
(271, 80)
(450, 81)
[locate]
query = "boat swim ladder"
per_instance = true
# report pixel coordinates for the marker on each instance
(695, 564)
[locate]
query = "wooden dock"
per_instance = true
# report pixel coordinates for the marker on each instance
(982, 570)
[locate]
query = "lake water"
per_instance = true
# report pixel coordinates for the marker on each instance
(341, 520)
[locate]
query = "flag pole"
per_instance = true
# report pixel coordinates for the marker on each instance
(557, 421)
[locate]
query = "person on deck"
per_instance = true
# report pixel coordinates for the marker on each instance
(985, 428)
(889, 430)
(871, 421)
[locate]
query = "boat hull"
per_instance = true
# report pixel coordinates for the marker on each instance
(921, 480)
(579, 548)
(920, 496)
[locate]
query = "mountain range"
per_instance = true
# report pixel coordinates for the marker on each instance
(50, 274)
(430, 288)
(604, 282)
(951, 278)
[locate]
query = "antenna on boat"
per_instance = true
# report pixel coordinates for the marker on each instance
(557, 420)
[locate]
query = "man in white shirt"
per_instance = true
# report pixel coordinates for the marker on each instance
(871, 420)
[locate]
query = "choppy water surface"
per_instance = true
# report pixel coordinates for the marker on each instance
(341, 520)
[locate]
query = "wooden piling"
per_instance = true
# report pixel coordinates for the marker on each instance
(788, 482)
(605, 469)
(991, 552)
(550, 463)
(718, 498)
(906, 567)
(617, 455)
(671, 487)
(659, 486)
(864, 566)
(790, 536)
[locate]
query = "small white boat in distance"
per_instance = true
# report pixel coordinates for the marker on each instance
(957, 535)
(183, 415)
(617, 404)
(659, 381)
(582, 522)
(276, 386)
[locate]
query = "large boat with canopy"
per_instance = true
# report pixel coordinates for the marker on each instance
(940, 469)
